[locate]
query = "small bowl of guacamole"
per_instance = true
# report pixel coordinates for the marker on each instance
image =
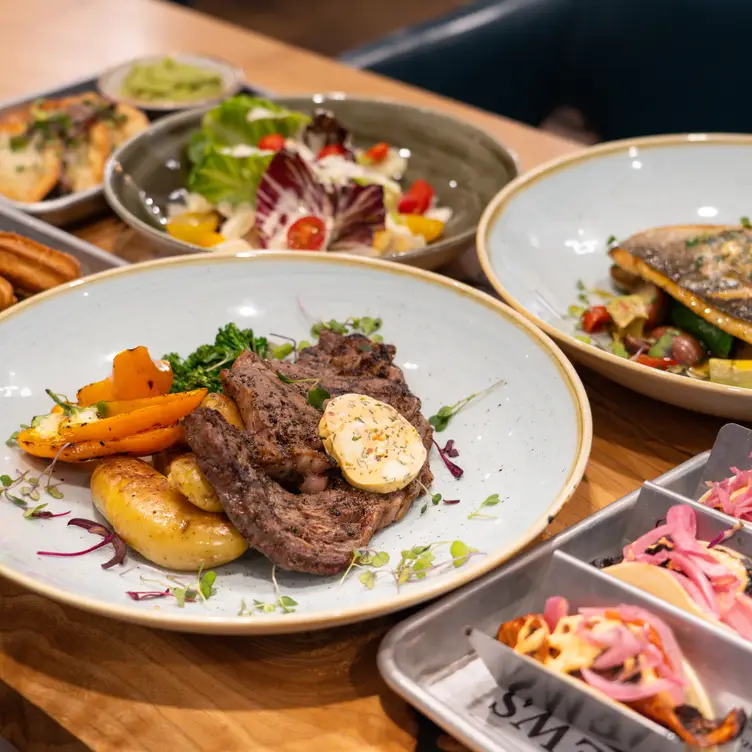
(171, 82)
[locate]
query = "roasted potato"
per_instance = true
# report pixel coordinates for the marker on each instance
(158, 522)
(185, 476)
(226, 407)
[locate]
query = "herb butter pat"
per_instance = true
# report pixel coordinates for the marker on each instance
(376, 448)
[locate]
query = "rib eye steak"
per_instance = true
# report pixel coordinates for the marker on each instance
(274, 480)
(307, 532)
(282, 426)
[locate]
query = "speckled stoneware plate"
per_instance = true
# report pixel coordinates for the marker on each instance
(549, 229)
(111, 82)
(465, 165)
(528, 440)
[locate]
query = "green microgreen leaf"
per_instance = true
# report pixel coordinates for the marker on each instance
(491, 501)
(280, 352)
(441, 420)
(460, 553)
(368, 578)
(317, 396)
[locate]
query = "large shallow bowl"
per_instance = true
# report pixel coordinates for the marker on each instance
(549, 229)
(528, 440)
(465, 165)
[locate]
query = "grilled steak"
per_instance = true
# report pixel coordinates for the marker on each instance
(706, 267)
(307, 532)
(352, 355)
(282, 426)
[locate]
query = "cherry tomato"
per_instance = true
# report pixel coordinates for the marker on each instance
(660, 363)
(307, 234)
(272, 142)
(378, 152)
(417, 199)
(332, 149)
(595, 319)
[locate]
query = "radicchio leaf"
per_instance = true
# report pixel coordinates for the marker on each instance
(325, 130)
(289, 190)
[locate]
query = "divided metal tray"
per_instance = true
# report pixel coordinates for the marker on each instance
(81, 205)
(444, 661)
(92, 259)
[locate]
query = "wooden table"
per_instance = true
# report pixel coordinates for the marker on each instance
(119, 687)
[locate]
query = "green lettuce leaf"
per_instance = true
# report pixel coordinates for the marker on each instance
(221, 177)
(228, 124)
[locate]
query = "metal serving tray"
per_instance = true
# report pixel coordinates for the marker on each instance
(81, 205)
(92, 259)
(445, 661)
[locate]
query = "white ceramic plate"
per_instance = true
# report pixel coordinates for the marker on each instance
(528, 440)
(549, 228)
(111, 82)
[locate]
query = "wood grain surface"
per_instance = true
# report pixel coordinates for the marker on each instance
(115, 686)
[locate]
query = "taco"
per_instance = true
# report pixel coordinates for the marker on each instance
(733, 495)
(703, 578)
(628, 656)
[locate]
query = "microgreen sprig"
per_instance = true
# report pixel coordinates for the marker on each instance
(415, 563)
(491, 501)
(29, 488)
(441, 420)
(365, 325)
(316, 395)
(283, 602)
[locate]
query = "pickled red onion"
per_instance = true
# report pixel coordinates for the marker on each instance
(556, 608)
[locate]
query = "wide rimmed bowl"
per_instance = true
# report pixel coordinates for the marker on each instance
(549, 229)
(465, 165)
(527, 440)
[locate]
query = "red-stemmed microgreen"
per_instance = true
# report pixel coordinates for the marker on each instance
(453, 468)
(450, 450)
(491, 501)
(201, 589)
(441, 420)
(108, 537)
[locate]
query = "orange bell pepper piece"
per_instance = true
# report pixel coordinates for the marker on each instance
(99, 391)
(138, 445)
(131, 417)
(136, 375)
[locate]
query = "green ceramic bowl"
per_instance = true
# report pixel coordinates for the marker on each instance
(466, 166)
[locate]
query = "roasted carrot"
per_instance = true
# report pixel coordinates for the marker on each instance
(122, 420)
(137, 445)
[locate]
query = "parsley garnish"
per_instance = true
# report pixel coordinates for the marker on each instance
(745, 223)
(491, 501)
(441, 420)
(202, 367)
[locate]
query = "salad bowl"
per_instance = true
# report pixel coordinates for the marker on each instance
(544, 242)
(464, 166)
(522, 456)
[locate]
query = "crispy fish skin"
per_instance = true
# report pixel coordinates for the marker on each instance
(708, 268)
(34, 267)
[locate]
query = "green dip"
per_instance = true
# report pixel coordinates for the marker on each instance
(170, 81)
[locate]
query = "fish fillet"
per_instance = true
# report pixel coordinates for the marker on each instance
(708, 268)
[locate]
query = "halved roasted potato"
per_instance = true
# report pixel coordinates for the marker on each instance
(158, 521)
